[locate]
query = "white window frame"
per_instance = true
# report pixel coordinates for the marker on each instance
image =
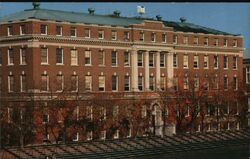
(127, 64)
(236, 84)
(206, 60)
(99, 83)
(185, 83)
(56, 57)
(21, 83)
(153, 55)
(89, 109)
(113, 35)
(116, 135)
(128, 83)
(164, 59)
(47, 60)
(46, 29)
(103, 134)
(116, 58)
(196, 40)
(60, 30)
(76, 90)
(89, 32)
(21, 57)
(76, 52)
(9, 57)
(90, 82)
(9, 76)
(175, 39)
(235, 43)
(141, 59)
(116, 83)
(236, 63)
(21, 31)
(185, 40)
(165, 38)
(206, 41)
(196, 62)
(224, 62)
(85, 53)
(101, 32)
(73, 28)
(142, 84)
(248, 75)
(77, 137)
(141, 36)
(175, 60)
(89, 135)
(47, 82)
(103, 58)
(153, 78)
(9, 33)
(153, 37)
(62, 84)
(185, 61)
(163, 83)
(225, 42)
(216, 42)
(126, 38)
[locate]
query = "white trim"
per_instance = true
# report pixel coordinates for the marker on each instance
(47, 60)
(10, 64)
(21, 57)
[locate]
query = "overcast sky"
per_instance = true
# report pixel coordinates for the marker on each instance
(229, 17)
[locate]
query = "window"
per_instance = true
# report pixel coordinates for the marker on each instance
(59, 30)
(206, 85)
(140, 83)
(23, 56)
(196, 61)
(185, 83)
(162, 59)
(140, 59)
(73, 32)
(1, 58)
(45, 118)
(196, 40)
(225, 43)
(234, 62)
(89, 112)
(87, 33)
(216, 42)
(126, 36)
(23, 83)
(151, 59)
(175, 39)
(43, 29)
(101, 83)
(163, 38)
(235, 83)
(126, 58)
(248, 75)
(115, 111)
(74, 57)
(141, 36)
(10, 57)
(89, 135)
(175, 83)
(45, 82)
(103, 135)
(103, 113)
(74, 83)
(196, 84)
(116, 135)
(206, 41)
(175, 60)
(216, 61)
(100, 34)
(187, 111)
(225, 82)
(44, 55)
(59, 56)
(163, 83)
(152, 83)
(101, 58)
(10, 30)
(22, 29)
(225, 108)
(76, 137)
(185, 40)
(59, 82)
(216, 82)
(11, 83)
(114, 83)
(88, 83)
(87, 57)
(234, 43)
(144, 111)
(206, 64)
(153, 35)
(126, 83)
(225, 62)
(113, 35)
(185, 61)
(114, 58)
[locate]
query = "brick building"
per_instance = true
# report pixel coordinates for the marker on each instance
(44, 53)
(246, 79)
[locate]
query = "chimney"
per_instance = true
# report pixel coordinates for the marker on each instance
(117, 13)
(91, 11)
(183, 19)
(158, 17)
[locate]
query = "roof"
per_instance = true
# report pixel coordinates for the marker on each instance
(78, 17)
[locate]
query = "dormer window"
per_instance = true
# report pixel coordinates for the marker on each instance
(73, 32)
(101, 34)
(22, 29)
(234, 43)
(113, 35)
(126, 36)
(153, 37)
(43, 29)
(87, 33)
(10, 30)
(58, 30)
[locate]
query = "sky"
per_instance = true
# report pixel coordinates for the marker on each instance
(228, 17)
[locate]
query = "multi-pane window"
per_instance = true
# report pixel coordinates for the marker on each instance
(114, 58)
(234, 43)
(185, 83)
(185, 61)
(225, 82)
(185, 40)
(73, 32)
(43, 29)
(10, 57)
(100, 34)
(23, 56)
(196, 61)
(101, 81)
(59, 30)
(89, 112)
(126, 83)
(235, 83)
(216, 61)
(87, 57)
(126, 35)
(140, 59)
(216, 42)
(10, 83)
(153, 36)
(234, 62)
(74, 57)
(141, 36)
(88, 83)
(196, 84)
(45, 82)
(162, 60)
(113, 35)
(206, 64)
(60, 82)
(23, 83)
(152, 83)
(206, 41)
(22, 29)
(175, 39)
(248, 75)
(196, 40)
(114, 83)
(126, 58)
(101, 58)
(164, 38)
(225, 62)
(225, 42)
(163, 83)
(175, 60)
(44, 55)
(140, 83)
(74, 83)
(10, 30)
(87, 33)
(151, 59)
(59, 56)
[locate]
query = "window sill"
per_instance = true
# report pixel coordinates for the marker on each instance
(44, 64)
(206, 68)
(10, 65)
(59, 64)
(59, 35)
(114, 66)
(185, 67)
(101, 65)
(88, 65)
(44, 34)
(74, 65)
